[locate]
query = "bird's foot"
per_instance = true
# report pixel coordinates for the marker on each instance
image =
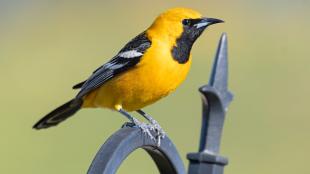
(146, 128)
(160, 133)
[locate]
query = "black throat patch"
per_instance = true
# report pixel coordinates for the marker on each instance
(183, 47)
(184, 43)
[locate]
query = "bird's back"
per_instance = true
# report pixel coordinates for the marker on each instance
(155, 76)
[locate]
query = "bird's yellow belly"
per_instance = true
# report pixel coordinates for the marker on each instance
(140, 86)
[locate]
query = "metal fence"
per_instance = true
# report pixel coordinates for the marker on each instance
(215, 99)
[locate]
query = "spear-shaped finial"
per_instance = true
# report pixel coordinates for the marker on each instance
(215, 98)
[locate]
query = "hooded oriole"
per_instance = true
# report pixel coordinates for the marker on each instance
(147, 68)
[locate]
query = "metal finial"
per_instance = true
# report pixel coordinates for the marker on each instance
(215, 100)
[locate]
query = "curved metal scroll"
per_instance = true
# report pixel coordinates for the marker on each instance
(124, 142)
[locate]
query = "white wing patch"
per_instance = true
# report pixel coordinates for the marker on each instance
(130, 54)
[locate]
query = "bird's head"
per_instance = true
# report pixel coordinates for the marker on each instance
(181, 22)
(179, 28)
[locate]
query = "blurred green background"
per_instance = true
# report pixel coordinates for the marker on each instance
(48, 46)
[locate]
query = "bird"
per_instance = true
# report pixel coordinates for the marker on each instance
(146, 69)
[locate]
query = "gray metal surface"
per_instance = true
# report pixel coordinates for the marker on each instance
(124, 142)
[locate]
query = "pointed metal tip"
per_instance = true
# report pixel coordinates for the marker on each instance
(219, 74)
(222, 47)
(224, 37)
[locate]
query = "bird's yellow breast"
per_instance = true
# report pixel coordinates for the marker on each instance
(155, 76)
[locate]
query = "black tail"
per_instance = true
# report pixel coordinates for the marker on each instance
(59, 114)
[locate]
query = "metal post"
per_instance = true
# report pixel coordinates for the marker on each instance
(215, 99)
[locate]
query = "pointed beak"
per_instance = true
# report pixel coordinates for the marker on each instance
(204, 22)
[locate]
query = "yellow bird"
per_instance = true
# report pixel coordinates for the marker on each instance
(146, 69)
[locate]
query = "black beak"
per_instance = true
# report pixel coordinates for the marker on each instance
(204, 22)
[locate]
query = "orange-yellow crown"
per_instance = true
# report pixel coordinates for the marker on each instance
(169, 23)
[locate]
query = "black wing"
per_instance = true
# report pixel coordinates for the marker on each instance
(127, 58)
(79, 85)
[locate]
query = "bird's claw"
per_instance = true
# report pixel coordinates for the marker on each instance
(146, 128)
(160, 133)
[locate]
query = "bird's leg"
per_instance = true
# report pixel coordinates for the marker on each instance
(134, 122)
(155, 126)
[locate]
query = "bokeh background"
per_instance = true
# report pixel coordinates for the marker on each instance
(48, 46)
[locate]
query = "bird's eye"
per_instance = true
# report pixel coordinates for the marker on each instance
(186, 22)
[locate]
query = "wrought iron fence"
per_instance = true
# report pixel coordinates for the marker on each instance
(215, 98)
